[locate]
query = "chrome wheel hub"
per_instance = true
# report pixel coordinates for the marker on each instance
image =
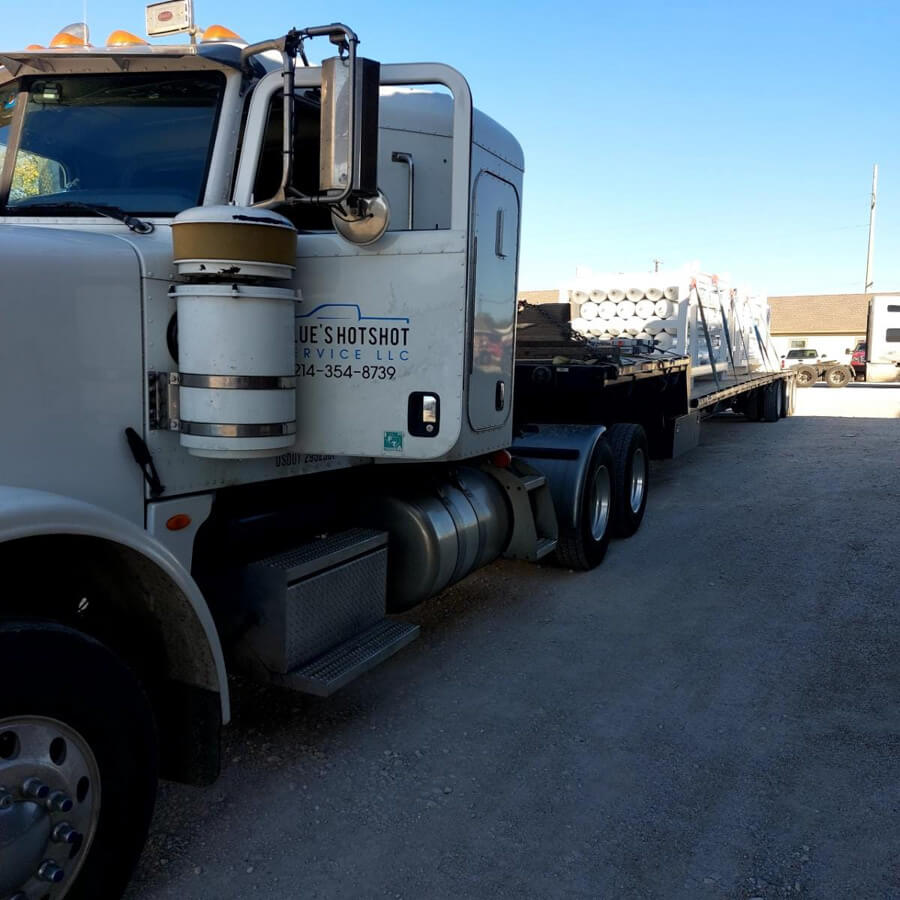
(599, 502)
(49, 807)
(638, 479)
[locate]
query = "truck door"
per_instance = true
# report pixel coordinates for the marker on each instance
(493, 291)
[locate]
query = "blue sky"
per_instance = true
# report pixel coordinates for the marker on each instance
(740, 134)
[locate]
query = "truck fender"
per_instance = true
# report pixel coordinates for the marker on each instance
(193, 650)
(562, 454)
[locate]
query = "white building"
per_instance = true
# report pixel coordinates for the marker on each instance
(831, 324)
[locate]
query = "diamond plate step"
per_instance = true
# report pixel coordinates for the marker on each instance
(331, 671)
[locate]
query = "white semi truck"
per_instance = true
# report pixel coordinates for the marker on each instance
(258, 359)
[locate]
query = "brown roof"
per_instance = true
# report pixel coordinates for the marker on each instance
(820, 314)
(539, 296)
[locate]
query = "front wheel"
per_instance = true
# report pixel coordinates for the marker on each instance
(583, 546)
(78, 763)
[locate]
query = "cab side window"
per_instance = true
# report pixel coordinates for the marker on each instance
(306, 217)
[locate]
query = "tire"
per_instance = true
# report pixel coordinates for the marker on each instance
(782, 398)
(806, 376)
(631, 469)
(838, 376)
(584, 546)
(62, 687)
(770, 402)
(752, 405)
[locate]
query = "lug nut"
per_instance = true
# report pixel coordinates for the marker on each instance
(64, 833)
(50, 871)
(34, 787)
(6, 798)
(59, 802)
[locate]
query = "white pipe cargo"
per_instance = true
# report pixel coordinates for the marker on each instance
(644, 309)
(588, 310)
(664, 341)
(580, 325)
(606, 310)
(671, 293)
(597, 295)
(664, 309)
(617, 295)
(654, 294)
(634, 294)
(625, 309)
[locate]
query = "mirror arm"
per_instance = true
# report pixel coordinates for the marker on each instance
(289, 46)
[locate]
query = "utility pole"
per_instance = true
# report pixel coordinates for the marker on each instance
(656, 263)
(869, 275)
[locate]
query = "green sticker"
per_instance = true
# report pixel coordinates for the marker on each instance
(393, 440)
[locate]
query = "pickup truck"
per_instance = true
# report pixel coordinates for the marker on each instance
(811, 366)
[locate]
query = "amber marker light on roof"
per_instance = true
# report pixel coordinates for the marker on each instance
(35, 47)
(220, 33)
(64, 39)
(121, 38)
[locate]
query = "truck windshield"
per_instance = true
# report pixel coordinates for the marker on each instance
(137, 142)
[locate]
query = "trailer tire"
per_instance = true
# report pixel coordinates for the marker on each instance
(838, 376)
(630, 460)
(806, 376)
(583, 546)
(782, 398)
(770, 402)
(751, 405)
(75, 717)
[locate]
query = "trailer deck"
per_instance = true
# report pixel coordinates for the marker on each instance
(561, 378)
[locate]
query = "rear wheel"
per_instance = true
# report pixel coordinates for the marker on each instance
(838, 376)
(771, 402)
(583, 546)
(631, 469)
(806, 376)
(752, 405)
(78, 765)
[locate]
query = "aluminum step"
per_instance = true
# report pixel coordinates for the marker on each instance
(532, 482)
(340, 665)
(545, 546)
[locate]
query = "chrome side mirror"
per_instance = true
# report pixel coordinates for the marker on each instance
(348, 155)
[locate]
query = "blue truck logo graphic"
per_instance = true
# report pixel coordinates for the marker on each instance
(348, 312)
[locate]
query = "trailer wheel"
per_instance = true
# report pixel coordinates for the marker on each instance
(78, 765)
(806, 376)
(838, 376)
(751, 405)
(584, 546)
(630, 460)
(782, 398)
(770, 402)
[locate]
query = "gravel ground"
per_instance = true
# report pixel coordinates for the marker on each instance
(713, 713)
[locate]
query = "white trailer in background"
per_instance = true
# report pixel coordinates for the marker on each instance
(883, 339)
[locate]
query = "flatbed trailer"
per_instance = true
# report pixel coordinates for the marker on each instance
(564, 379)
